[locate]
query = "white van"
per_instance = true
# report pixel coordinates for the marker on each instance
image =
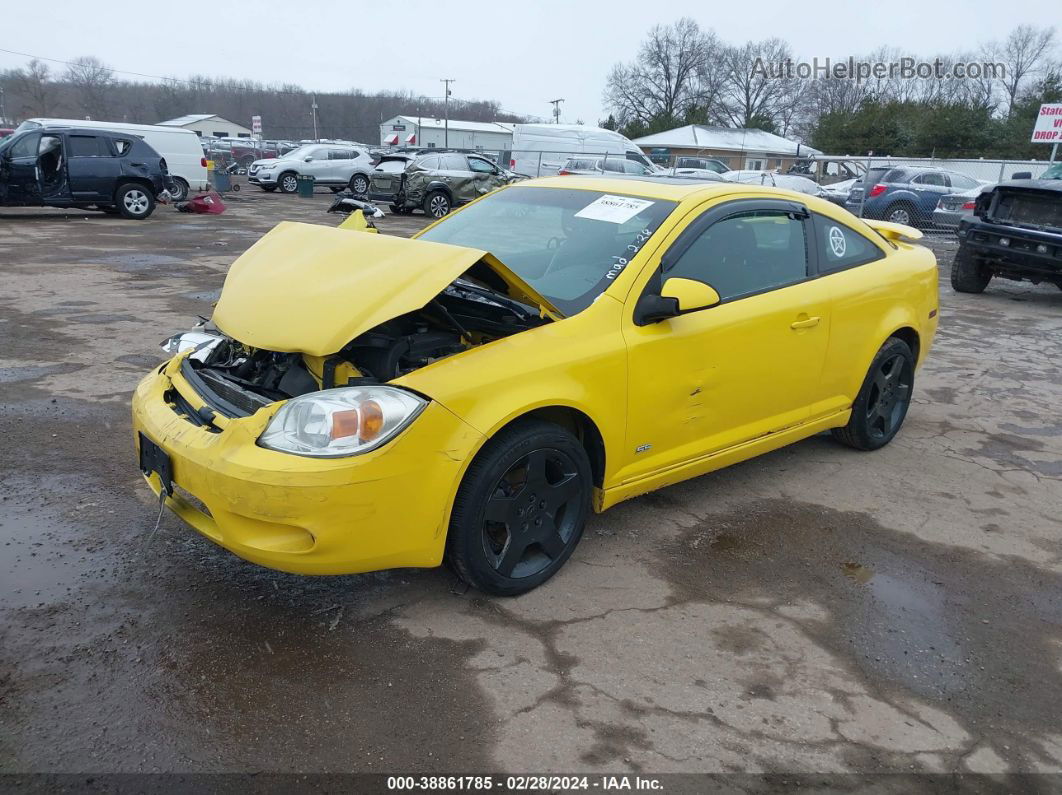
(541, 150)
(179, 148)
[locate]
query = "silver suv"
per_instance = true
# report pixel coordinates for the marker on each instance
(336, 165)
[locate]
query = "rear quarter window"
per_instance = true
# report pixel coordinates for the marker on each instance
(841, 247)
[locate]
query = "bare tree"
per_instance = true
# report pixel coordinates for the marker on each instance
(33, 84)
(670, 76)
(754, 85)
(1025, 53)
(93, 81)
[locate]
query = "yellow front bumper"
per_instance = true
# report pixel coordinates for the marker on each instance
(384, 509)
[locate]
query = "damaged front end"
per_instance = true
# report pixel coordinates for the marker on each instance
(309, 309)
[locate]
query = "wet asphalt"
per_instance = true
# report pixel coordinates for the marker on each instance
(815, 610)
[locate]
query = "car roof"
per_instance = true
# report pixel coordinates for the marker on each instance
(664, 187)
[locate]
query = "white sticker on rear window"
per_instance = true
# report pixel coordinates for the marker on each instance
(614, 209)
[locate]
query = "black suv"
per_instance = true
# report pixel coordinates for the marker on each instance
(66, 167)
(1015, 233)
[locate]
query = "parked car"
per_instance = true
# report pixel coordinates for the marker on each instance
(787, 181)
(953, 207)
(94, 169)
(436, 182)
(476, 392)
(1015, 232)
(703, 174)
(703, 163)
(185, 160)
(336, 166)
(617, 164)
(906, 195)
(837, 192)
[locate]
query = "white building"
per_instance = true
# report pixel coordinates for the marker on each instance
(430, 132)
(739, 148)
(206, 124)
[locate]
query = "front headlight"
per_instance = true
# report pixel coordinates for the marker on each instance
(341, 422)
(199, 341)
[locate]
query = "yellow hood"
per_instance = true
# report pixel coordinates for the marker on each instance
(311, 289)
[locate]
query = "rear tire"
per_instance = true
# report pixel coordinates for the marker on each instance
(901, 213)
(521, 509)
(288, 182)
(437, 204)
(881, 405)
(134, 201)
(967, 274)
(359, 185)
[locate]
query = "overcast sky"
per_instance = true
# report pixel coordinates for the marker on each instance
(521, 54)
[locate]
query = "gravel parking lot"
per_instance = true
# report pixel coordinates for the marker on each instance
(816, 609)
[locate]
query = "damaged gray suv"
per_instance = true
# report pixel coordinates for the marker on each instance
(435, 182)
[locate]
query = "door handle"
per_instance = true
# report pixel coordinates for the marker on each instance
(805, 323)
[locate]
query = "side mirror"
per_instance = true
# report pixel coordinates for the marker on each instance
(690, 295)
(678, 296)
(307, 159)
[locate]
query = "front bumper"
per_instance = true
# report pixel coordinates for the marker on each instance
(1022, 257)
(384, 509)
(262, 179)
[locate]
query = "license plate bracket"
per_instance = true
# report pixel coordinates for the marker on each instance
(154, 459)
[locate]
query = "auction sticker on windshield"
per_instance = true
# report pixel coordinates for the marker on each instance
(614, 209)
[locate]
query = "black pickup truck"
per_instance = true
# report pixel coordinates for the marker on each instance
(1014, 233)
(98, 169)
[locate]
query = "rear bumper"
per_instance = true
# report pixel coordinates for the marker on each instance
(388, 508)
(948, 218)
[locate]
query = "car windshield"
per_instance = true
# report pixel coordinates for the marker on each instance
(392, 166)
(568, 244)
(1055, 172)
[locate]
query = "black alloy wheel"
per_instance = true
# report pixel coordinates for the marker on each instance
(521, 508)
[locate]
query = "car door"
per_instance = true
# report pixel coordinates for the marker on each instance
(92, 168)
(317, 164)
(486, 177)
(458, 176)
(750, 366)
(20, 175)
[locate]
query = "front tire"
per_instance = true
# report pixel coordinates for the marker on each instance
(288, 182)
(881, 405)
(134, 201)
(967, 274)
(521, 509)
(436, 204)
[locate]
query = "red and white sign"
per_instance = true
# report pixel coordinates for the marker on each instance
(1048, 129)
(256, 126)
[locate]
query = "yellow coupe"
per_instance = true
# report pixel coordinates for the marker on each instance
(361, 402)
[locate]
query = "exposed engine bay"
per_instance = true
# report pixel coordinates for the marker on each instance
(237, 380)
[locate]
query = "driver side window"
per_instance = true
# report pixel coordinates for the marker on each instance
(480, 166)
(748, 253)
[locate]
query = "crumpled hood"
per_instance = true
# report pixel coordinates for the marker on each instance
(305, 288)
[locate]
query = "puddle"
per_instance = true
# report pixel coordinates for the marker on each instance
(978, 637)
(857, 572)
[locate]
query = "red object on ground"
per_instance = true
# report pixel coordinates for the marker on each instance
(209, 203)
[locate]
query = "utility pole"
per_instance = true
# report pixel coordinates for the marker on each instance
(446, 104)
(313, 107)
(556, 109)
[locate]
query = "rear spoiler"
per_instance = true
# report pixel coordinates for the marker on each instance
(894, 232)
